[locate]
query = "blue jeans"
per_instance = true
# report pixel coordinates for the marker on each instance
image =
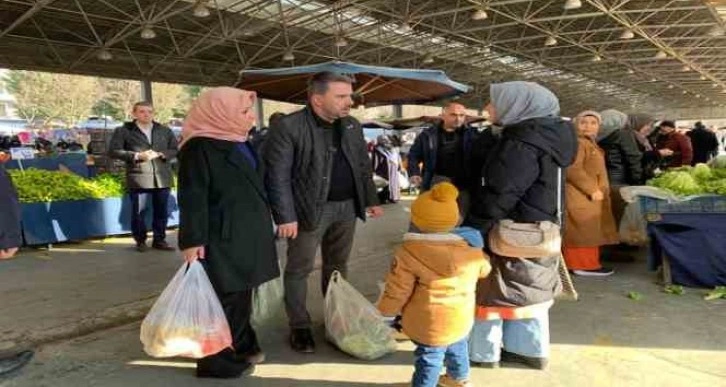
(430, 361)
(527, 337)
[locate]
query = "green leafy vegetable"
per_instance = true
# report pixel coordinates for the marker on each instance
(716, 293)
(635, 296)
(674, 289)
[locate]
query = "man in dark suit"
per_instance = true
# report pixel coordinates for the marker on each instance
(319, 180)
(148, 148)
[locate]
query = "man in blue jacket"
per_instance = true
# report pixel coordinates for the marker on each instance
(444, 151)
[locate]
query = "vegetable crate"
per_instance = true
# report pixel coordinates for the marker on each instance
(715, 204)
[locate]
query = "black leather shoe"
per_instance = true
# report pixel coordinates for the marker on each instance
(484, 364)
(301, 340)
(162, 246)
(223, 366)
(141, 247)
(538, 363)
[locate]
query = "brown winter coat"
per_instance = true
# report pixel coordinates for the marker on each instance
(432, 283)
(589, 223)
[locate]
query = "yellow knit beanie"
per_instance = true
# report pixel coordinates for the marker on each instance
(436, 210)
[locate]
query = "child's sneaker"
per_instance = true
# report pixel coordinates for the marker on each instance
(448, 381)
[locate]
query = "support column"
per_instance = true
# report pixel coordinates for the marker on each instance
(260, 111)
(397, 111)
(146, 94)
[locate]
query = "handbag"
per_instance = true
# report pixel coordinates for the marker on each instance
(536, 240)
(529, 240)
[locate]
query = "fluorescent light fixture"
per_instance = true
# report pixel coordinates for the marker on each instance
(572, 4)
(627, 34)
(479, 14)
(148, 33)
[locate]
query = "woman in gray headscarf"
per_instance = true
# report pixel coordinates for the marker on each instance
(642, 126)
(519, 182)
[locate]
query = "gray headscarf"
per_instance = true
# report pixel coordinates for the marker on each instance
(518, 101)
(612, 120)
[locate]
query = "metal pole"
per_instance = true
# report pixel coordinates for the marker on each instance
(260, 113)
(146, 94)
(397, 111)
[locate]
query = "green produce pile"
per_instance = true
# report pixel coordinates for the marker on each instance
(40, 186)
(698, 180)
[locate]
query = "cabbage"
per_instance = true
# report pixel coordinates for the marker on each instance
(678, 182)
(718, 162)
(702, 172)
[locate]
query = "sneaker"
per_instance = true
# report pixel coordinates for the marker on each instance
(601, 272)
(538, 363)
(448, 381)
(301, 340)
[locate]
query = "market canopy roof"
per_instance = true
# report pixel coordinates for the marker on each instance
(629, 54)
(374, 85)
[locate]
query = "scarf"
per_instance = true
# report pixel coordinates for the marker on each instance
(220, 113)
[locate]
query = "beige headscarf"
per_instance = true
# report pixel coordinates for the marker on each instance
(589, 113)
(219, 114)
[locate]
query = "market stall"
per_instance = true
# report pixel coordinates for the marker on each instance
(61, 206)
(683, 214)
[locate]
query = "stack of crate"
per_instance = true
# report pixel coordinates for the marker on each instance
(98, 150)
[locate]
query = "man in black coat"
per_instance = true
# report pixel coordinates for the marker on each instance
(704, 143)
(319, 179)
(148, 148)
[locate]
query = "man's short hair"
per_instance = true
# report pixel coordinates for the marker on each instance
(452, 103)
(668, 124)
(319, 83)
(140, 104)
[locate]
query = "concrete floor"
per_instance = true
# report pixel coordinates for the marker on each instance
(99, 289)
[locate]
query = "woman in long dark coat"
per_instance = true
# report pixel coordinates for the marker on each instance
(225, 217)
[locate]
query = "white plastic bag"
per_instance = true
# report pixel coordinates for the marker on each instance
(268, 304)
(353, 324)
(633, 227)
(187, 320)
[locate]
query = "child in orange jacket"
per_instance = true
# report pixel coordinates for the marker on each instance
(432, 283)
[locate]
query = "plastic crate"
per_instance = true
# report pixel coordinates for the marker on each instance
(698, 205)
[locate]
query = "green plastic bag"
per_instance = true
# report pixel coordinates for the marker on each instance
(268, 305)
(353, 324)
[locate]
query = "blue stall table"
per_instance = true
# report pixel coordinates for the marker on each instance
(688, 239)
(48, 223)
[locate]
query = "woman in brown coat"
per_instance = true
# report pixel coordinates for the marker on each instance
(590, 223)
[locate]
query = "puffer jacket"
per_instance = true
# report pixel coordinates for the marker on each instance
(433, 283)
(623, 158)
(299, 168)
(520, 183)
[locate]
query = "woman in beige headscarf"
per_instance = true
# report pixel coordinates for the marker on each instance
(225, 218)
(590, 223)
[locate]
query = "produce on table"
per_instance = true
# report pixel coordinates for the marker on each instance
(40, 186)
(716, 293)
(698, 180)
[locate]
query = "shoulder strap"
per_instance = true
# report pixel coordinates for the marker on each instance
(559, 196)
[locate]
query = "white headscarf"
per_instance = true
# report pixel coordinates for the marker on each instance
(518, 101)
